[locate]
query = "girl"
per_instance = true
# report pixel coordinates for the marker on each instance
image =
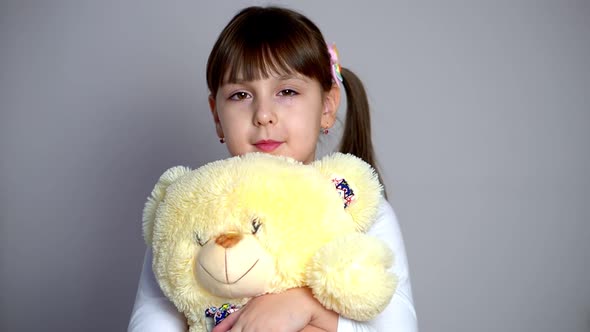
(275, 87)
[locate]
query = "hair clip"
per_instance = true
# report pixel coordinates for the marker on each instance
(335, 63)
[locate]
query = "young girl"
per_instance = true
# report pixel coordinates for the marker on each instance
(275, 88)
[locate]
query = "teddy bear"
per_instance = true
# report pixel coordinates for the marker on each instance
(254, 224)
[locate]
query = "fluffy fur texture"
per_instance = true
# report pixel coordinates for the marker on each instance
(256, 224)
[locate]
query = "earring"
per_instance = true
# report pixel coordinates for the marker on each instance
(325, 131)
(222, 140)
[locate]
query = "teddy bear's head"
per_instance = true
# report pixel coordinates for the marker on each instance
(250, 225)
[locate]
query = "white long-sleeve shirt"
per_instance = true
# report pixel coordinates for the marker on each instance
(153, 312)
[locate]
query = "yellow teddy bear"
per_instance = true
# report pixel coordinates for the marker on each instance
(255, 224)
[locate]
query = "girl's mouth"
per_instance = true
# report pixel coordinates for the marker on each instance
(267, 145)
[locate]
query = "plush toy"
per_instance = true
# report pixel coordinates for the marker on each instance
(255, 224)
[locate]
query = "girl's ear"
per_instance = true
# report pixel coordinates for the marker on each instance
(213, 107)
(331, 104)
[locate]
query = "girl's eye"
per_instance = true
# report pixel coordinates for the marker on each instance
(288, 93)
(239, 96)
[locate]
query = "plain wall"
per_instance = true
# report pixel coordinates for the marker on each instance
(481, 124)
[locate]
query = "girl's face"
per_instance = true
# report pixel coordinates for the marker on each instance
(280, 115)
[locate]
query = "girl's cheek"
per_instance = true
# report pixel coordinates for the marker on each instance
(286, 101)
(237, 105)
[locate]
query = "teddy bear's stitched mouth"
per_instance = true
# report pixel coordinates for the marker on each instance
(226, 277)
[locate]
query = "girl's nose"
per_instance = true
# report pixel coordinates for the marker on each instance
(264, 114)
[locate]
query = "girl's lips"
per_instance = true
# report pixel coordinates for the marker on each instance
(267, 146)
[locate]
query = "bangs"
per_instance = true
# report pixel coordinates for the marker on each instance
(264, 43)
(255, 63)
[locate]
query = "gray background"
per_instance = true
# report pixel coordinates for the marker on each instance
(481, 123)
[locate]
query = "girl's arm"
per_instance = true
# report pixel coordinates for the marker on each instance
(292, 310)
(152, 311)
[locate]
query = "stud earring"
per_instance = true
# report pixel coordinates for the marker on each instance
(325, 131)
(222, 140)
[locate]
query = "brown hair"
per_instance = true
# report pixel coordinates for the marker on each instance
(259, 41)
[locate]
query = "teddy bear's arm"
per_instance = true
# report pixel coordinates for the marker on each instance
(350, 276)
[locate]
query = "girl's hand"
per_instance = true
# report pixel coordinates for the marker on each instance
(290, 311)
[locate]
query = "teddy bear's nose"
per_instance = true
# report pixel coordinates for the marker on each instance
(228, 240)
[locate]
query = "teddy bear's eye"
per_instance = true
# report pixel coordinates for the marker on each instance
(199, 241)
(255, 225)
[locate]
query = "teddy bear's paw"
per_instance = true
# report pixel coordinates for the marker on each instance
(349, 275)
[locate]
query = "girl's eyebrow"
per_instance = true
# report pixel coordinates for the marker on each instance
(292, 77)
(285, 77)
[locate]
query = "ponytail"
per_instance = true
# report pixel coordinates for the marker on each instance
(356, 137)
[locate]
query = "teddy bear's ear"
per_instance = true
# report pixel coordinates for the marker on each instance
(357, 183)
(157, 196)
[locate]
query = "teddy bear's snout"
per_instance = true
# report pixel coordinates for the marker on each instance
(228, 240)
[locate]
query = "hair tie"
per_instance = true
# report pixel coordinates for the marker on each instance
(335, 64)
